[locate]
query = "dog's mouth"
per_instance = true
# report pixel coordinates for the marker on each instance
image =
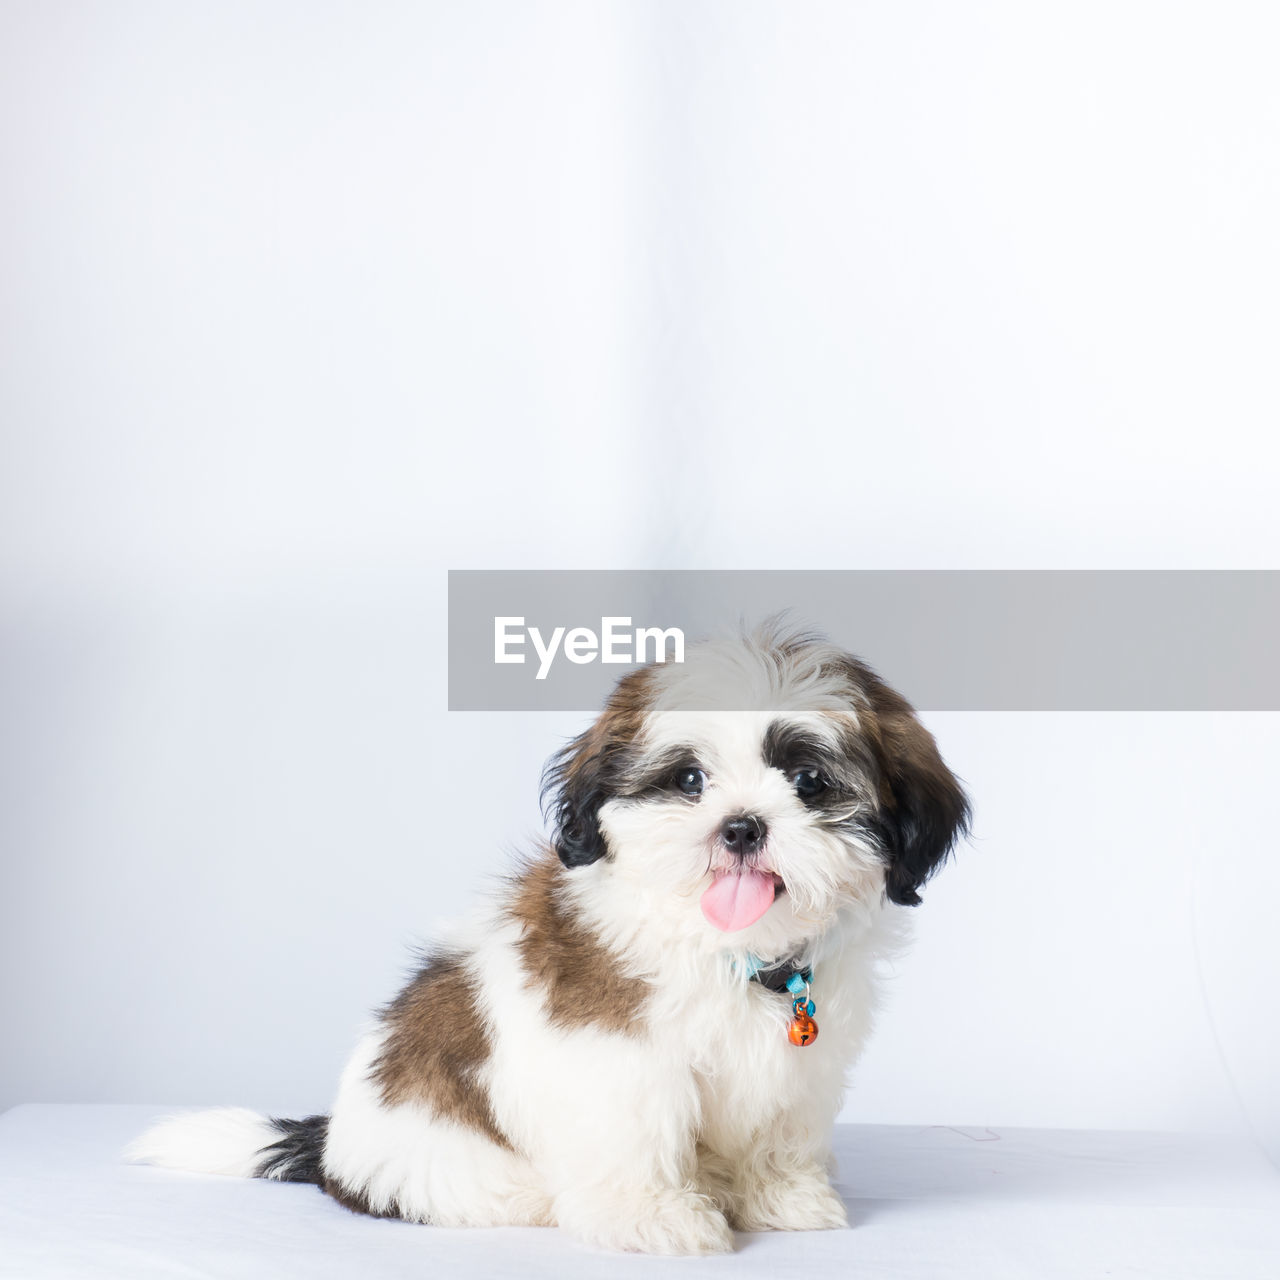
(739, 896)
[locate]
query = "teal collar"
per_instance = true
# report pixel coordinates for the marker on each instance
(782, 975)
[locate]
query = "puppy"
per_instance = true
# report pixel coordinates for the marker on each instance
(644, 1039)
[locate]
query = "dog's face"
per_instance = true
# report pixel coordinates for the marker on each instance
(749, 794)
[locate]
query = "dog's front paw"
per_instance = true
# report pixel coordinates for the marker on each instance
(671, 1222)
(804, 1202)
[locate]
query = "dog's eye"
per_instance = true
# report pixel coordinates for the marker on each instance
(691, 781)
(808, 783)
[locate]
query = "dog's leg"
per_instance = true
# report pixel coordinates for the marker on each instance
(777, 1180)
(786, 1193)
(620, 1164)
(625, 1213)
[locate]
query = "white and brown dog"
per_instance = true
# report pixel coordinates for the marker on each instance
(644, 1066)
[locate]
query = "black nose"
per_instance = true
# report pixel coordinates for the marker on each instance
(743, 834)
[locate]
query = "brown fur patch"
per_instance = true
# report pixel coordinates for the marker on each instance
(614, 731)
(579, 976)
(909, 748)
(436, 1043)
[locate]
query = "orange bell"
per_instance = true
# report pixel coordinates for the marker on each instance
(803, 1030)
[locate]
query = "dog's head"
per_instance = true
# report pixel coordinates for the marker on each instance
(755, 790)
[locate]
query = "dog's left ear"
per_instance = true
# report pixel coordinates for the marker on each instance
(925, 810)
(588, 770)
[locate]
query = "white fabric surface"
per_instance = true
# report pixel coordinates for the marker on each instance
(924, 1203)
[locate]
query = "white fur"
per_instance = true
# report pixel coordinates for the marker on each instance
(702, 1118)
(226, 1140)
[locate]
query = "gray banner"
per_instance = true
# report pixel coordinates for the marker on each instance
(950, 641)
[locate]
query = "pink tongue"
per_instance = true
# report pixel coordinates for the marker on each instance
(737, 899)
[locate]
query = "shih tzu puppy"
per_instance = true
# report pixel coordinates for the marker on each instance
(644, 1038)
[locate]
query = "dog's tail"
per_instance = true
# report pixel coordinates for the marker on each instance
(237, 1142)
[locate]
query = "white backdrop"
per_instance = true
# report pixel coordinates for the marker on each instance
(304, 304)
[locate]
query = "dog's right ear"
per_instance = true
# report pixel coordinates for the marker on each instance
(573, 792)
(586, 772)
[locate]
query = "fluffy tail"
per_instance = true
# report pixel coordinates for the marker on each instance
(237, 1142)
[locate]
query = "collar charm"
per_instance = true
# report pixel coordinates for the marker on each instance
(803, 1030)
